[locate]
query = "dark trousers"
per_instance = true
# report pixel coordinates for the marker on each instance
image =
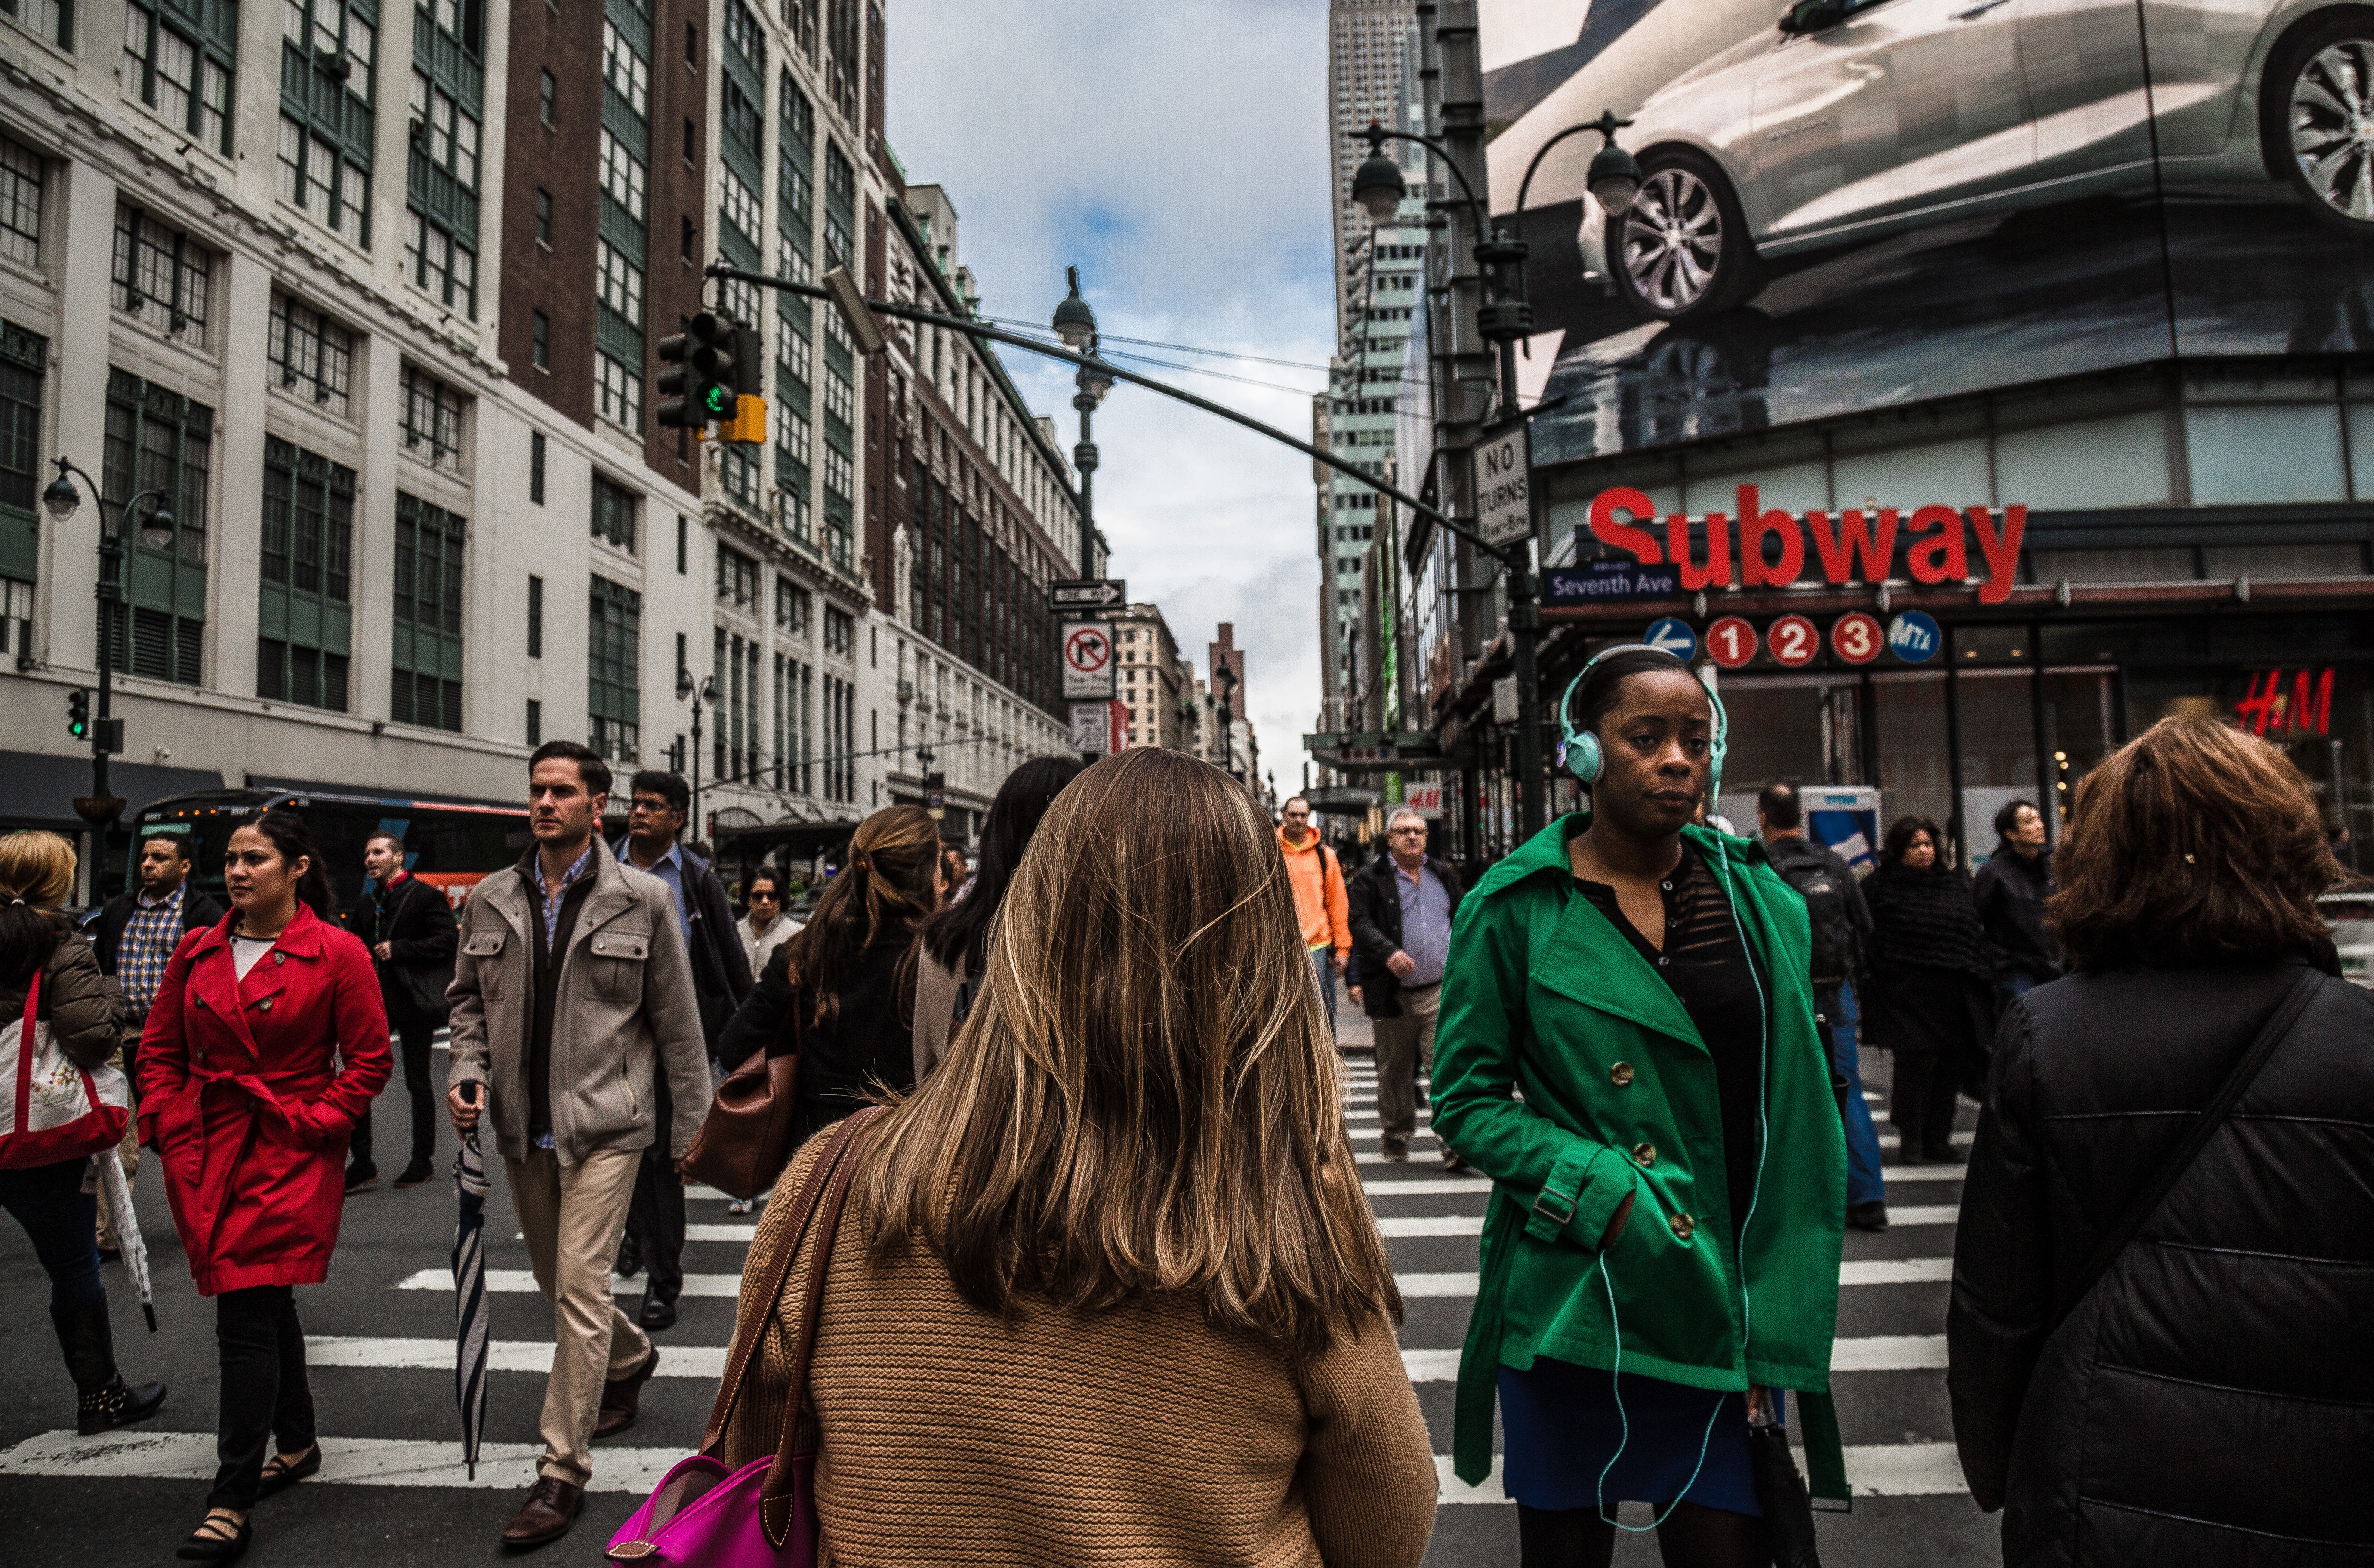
(655, 1218)
(49, 1201)
(417, 1036)
(266, 1396)
(1921, 1101)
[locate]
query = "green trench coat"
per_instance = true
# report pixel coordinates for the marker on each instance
(1567, 1069)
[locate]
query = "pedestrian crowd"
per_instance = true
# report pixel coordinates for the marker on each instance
(1108, 1286)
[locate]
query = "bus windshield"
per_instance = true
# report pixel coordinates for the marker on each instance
(449, 847)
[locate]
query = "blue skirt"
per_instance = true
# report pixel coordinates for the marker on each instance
(1563, 1425)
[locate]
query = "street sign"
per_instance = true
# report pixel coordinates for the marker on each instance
(1088, 593)
(1088, 661)
(1794, 641)
(1092, 728)
(1731, 642)
(1504, 464)
(1913, 636)
(1504, 700)
(1854, 637)
(1674, 636)
(1610, 577)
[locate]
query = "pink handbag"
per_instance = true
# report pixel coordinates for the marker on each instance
(762, 1515)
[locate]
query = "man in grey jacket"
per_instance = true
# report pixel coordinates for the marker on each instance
(571, 984)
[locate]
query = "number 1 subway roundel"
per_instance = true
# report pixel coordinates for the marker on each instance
(1731, 642)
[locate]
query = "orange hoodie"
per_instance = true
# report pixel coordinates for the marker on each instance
(1319, 901)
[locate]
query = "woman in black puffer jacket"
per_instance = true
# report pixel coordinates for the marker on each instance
(2209, 1399)
(1931, 1000)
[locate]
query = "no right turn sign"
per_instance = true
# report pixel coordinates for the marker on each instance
(1087, 660)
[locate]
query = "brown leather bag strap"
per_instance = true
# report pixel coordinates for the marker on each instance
(751, 1328)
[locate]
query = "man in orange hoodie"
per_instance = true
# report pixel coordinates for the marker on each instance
(1317, 877)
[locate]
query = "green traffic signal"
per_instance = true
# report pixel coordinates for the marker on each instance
(78, 714)
(717, 401)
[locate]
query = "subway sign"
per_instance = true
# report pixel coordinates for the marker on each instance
(1943, 547)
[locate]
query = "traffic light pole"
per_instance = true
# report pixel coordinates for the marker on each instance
(1515, 557)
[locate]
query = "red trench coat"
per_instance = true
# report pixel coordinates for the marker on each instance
(239, 1092)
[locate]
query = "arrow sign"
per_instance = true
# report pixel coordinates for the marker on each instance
(1088, 661)
(1088, 593)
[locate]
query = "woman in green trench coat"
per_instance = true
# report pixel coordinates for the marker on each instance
(1628, 1048)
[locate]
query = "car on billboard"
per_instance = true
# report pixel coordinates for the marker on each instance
(1855, 120)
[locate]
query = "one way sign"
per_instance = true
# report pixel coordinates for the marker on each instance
(1092, 593)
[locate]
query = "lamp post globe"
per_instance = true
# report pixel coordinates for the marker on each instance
(156, 530)
(61, 500)
(1614, 178)
(1075, 322)
(1378, 188)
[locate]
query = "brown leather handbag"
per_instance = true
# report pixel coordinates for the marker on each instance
(746, 1139)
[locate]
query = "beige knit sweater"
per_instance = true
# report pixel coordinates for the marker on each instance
(1140, 1435)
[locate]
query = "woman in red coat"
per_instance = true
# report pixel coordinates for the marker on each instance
(265, 1043)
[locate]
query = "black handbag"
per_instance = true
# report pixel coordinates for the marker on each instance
(1781, 1493)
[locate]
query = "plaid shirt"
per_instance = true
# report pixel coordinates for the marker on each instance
(552, 897)
(150, 937)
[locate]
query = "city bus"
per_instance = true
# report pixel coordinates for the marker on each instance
(449, 845)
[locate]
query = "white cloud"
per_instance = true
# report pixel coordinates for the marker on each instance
(1178, 155)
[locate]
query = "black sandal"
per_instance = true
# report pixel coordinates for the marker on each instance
(279, 1475)
(206, 1546)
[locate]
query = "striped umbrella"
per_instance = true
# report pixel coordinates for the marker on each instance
(470, 1311)
(117, 1194)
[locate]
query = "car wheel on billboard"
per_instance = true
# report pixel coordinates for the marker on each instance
(1682, 252)
(2317, 119)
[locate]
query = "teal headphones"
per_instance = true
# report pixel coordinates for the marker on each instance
(1579, 754)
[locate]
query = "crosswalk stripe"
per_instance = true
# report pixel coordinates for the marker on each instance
(1430, 1225)
(1884, 1470)
(520, 1282)
(1923, 1172)
(351, 1461)
(1422, 1186)
(502, 1355)
(1854, 1271)
(743, 1232)
(1877, 1352)
(1925, 1214)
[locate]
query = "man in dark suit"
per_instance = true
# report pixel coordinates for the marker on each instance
(410, 930)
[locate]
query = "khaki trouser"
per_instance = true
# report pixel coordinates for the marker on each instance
(571, 1218)
(1405, 1045)
(127, 1153)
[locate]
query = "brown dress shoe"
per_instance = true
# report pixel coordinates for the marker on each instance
(551, 1507)
(622, 1397)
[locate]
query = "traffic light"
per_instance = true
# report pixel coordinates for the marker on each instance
(750, 419)
(700, 386)
(78, 714)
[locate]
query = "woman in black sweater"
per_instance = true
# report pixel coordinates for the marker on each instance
(1932, 998)
(841, 994)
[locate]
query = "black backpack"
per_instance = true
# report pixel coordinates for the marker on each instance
(1816, 882)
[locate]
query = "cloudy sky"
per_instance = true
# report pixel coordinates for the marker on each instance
(1178, 155)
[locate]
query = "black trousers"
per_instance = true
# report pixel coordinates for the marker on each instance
(1920, 1101)
(418, 1037)
(266, 1396)
(656, 1217)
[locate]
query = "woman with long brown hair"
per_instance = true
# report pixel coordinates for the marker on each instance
(2163, 1273)
(1109, 1290)
(841, 991)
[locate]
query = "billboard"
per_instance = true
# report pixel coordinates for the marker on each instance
(1855, 202)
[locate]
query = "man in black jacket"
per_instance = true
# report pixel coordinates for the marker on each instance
(135, 934)
(2010, 890)
(1400, 908)
(721, 979)
(410, 930)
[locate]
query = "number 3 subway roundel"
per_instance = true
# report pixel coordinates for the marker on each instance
(1794, 641)
(1855, 639)
(1731, 642)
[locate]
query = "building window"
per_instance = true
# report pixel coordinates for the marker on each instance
(624, 67)
(536, 466)
(444, 269)
(614, 672)
(737, 470)
(24, 369)
(619, 282)
(539, 344)
(791, 607)
(692, 45)
(544, 217)
(158, 439)
(618, 393)
(442, 173)
(49, 20)
(623, 176)
(534, 724)
(738, 205)
(183, 70)
(548, 97)
(160, 275)
(311, 355)
(737, 581)
(683, 543)
(327, 115)
(839, 205)
(614, 507)
(433, 417)
(306, 618)
(430, 544)
(745, 128)
(20, 203)
(839, 633)
(535, 617)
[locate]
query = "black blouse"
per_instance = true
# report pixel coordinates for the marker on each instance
(868, 1042)
(1709, 974)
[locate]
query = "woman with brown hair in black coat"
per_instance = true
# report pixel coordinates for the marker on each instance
(1932, 999)
(2158, 1343)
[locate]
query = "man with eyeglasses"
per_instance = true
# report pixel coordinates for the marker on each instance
(1402, 905)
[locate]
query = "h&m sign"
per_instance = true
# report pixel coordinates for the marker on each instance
(1860, 548)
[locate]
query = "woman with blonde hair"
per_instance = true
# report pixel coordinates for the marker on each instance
(1108, 1289)
(43, 958)
(2163, 1270)
(840, 993)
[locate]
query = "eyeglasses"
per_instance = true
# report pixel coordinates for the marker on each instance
(648, 808)
(1409, 832)
(756, 896)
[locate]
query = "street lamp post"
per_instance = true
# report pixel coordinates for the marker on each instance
(705, 692)
(1227, 677)
(1076, 324)
(62, 500)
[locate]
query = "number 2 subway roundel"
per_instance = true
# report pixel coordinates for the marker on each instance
(1793, 641)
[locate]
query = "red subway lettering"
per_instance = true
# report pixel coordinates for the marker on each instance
(1854, 537)
(1754, 525)
(1624, 501)
(1716, 573)
(1942, 558)
(2001, 550)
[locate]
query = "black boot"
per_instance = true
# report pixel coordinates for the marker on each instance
(104, 1401)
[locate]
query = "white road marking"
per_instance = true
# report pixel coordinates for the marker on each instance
(1925, 1214)
(1894, 1140)
(1416, 1285)
(1431, 1226)
(502, 1355)
(1879, 1352)
(1423, 1185)
(520, 1281)
(1864, 1271)
(348, 1461)
(1886, 1469)
(743, 1232)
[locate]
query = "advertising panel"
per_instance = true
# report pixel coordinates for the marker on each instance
(1855, 202)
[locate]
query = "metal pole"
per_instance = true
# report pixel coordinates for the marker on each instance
(695, 764)
(1084, 458)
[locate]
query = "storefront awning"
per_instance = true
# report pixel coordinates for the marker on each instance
(39, 791)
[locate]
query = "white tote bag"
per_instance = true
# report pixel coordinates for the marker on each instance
(52, 1110)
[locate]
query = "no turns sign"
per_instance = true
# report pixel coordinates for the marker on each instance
(1087, 660)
